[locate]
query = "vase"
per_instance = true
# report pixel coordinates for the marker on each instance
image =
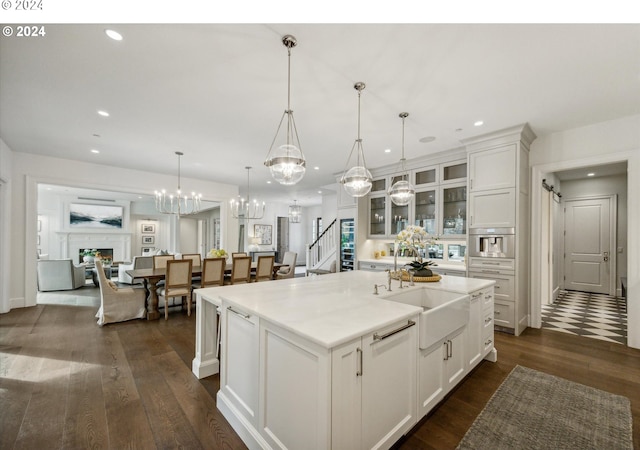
(88, 259)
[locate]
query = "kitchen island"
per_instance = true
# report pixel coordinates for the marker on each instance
(323, 362)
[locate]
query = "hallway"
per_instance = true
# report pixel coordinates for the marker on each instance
(590, 315)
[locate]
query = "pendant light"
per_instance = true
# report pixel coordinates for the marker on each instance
(241, 209)
(179, 204)
(402, 190)
(357, 180)
(286, 163)
(294, 212)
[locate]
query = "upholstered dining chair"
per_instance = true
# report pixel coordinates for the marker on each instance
(264, 269)
(160, 261)
(177, 282)
(195, 257)
(212, 275)
(289, 268)
(240, 270)
(235, 254)
(118, 304)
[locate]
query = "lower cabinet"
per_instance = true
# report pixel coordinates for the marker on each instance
(373, 389)
(479, 338)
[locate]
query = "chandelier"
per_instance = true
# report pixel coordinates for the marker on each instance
(402, 190)
(287, 164)
(357, 180)
(179, 204)
(294, 212)
(247, 209)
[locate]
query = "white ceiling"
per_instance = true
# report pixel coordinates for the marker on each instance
(216, 92)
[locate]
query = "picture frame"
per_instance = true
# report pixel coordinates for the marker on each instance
(147, 251)
(148, 239)
(263, 232)
(148, 228)
(84, 215)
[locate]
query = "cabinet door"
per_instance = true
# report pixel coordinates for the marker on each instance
(474, 342)
(239, 374)
(453, 172)
(454, 364)
(453, 221)
(493, 169)
(425, 210)
(377, 215)
(493, 209)
(431, 382)
(346, 395)
(389, 400)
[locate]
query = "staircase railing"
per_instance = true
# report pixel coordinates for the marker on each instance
(323, 246)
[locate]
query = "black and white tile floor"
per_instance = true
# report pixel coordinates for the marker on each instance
(590, 315)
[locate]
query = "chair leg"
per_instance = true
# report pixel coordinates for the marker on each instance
(189, 304)
(166, 308)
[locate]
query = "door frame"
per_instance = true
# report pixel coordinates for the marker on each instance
(613, 237)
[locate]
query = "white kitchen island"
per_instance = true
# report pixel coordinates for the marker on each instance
(322, 362)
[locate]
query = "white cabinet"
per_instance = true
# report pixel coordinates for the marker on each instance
(373, 389)
(239, 374)
(493, 169)
(479, 337)
(492, 209)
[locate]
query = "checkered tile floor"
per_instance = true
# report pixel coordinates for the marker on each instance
(590, 315)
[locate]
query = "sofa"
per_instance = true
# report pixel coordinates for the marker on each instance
(139, 262)
(60, 275)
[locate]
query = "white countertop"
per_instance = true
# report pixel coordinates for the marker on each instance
(329, 309)
(402, 261)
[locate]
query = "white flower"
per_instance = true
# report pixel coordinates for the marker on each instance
(414, 236)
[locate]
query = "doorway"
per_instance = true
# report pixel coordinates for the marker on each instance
(589, 244)
(282, 239)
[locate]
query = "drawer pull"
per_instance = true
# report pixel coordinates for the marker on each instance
(487, 297)
(489, 342)
(491, 271)
(476, 295)
(380, 337)
(359, 369)
(237, 313)
(497, 313)
(487, 320)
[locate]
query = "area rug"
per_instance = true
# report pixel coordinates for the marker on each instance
(534, 410)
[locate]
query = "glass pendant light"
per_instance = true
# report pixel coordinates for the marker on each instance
(402, 191)
(357, 180)
(294, 212)
(286, 163)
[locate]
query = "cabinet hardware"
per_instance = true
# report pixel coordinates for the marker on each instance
(476, 295)
(446, 352)
(488, 296)
(497, 313)
(450, 349)
(489, 342)
(496, 287)
(491, 271)
(359, 369)
(380, 337)
(237, 313)
(487, 320)
(606, 256)
(487, 263)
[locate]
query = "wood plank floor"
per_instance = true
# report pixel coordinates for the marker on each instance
(66, 383)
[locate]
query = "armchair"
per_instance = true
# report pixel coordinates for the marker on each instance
(289, 270)
(60, 275)
(139, 262)
(118, 304)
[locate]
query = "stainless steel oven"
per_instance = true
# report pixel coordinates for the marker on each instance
(492, 242)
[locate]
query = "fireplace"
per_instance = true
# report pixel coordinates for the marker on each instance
(117, 245)
(104, 253)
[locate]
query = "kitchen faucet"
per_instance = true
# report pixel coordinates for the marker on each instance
(376, 286)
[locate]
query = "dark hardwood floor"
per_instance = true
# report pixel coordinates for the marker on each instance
(66, 383)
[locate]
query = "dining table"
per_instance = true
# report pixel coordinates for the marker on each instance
(152, 277)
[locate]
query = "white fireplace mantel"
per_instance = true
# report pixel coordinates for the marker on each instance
(70, 243)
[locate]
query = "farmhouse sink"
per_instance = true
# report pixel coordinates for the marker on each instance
(443, 312)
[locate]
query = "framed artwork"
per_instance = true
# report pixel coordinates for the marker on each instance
(148, 239)
(148, 228)
(82, 215)
(147, 251)
(263, 232)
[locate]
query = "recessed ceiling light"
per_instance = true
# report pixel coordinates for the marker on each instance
(590, 174)
(478, 123)
(268, 181)
(95, 151)
(316, 168)
(103, 113)
(113, 35)
(427, 139)
(387, 150)
(319, 192)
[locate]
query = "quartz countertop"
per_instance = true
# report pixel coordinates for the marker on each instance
(330, 309)
(402, 261)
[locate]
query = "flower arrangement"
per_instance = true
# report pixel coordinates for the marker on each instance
(414, 236)
(217, 253)
(89, 252)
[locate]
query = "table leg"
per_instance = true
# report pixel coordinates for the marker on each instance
(152, 299)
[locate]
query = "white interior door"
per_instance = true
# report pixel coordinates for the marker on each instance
(589, 228)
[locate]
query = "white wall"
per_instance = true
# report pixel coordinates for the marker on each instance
(27, 170)
(602, 143)
(5, 225)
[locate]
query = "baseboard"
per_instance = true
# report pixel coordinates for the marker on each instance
(18, 302)
(247, 432)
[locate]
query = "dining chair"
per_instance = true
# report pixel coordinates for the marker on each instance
(233, 255)
(118, 304)
(160, 261)
(240, 270)
(288, 270)
(264, 269)
(177, 282)
(195, 257)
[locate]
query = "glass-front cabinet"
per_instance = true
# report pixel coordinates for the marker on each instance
(439, 205)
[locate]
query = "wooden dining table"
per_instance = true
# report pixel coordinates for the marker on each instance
(152, 277)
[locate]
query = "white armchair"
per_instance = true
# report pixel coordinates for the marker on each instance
(118, 304)
(289, 270)
(60, 275)
(139, 262)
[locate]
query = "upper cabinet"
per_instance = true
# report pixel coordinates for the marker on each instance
(493, 169)
(439, 205)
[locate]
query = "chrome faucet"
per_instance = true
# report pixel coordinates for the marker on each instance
(388, 280)
(376, 286)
